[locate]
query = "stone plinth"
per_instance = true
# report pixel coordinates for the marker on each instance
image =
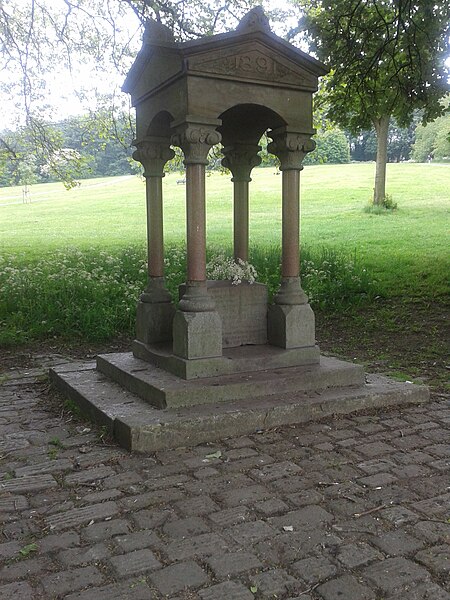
(140, 427)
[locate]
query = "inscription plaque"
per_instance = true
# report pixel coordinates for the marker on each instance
(243, 310)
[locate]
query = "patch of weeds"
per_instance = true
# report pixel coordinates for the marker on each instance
(8, 476)
(56, 442)
(140, 581)
(72, 407)
(53, 453)
(400, 376)
(3, 379)
(28, 549)
(43, 378)
(103, 434)
(387, 206)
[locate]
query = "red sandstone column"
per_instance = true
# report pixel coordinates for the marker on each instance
(290, 148)
(155, 310)
(290, 320)
(197, 327)
(153, 153)
(196, 139)
(240, 159)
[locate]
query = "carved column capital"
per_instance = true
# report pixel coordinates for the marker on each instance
(195, 139)
(290, 147)
(241, 159)
(153, 153)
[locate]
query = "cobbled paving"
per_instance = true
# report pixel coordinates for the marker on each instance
(349, 509)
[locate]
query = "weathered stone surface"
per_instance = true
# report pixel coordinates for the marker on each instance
(308, 517)
(185, 528)
(396, 543)
(96, 532)
(221, 406)
(243, 312)
(134, 563)
(137, 541)
(16, 590)
(394, 574)
(197, 335)
(424, 591)
(275, 583)
(347, 587)
(76, 557)
(233, 563)
(179, 577)
(135, 589)
(319, 550)
(80, 516)
(228, 589)
(314, 569)
(355, 555)
(30, 483)
(436, 558)
(60, 584)
(205, 544)
(291, 326)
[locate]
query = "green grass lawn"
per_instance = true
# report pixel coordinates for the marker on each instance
(407, 250)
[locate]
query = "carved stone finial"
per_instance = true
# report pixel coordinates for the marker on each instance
(254, 20)
(157, 33)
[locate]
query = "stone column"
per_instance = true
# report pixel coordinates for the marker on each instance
(290, 319)
(197, 328)
(240, 159)
(155, 309)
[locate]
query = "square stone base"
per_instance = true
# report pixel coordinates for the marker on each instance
(197, 334)
(154, 322)
(291, 326)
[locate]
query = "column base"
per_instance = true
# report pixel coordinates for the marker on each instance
(154, 322)
(290, 292)
(291, 325)
(197, 334)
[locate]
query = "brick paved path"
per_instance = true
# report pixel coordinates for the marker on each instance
(349, 509)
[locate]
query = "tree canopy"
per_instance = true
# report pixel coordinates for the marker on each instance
(387, 59)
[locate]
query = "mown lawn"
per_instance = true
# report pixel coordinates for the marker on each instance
(72, 264)
(407, 250)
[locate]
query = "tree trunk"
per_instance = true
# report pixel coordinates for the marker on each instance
(381, 128)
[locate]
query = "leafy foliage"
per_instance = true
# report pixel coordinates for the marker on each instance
(387, 59)
(433, 140)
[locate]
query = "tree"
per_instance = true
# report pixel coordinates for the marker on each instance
(387, 59)
(331, 147)
(433, 140)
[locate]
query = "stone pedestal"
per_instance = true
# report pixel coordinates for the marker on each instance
(154, 322)
(197, 334)
(291, 326)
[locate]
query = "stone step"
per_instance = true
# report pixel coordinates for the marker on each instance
(241, 359)
(162, 389)
(140, 427)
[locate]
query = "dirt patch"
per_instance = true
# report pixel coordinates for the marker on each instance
(406, 339)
